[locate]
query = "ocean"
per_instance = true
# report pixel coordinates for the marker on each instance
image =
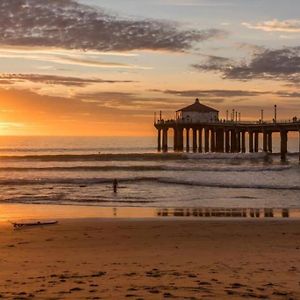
(80, 171)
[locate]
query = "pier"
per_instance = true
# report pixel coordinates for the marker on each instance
(222, 136)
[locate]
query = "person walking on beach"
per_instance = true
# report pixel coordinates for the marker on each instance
(115, 185)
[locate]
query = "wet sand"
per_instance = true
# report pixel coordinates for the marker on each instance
(152, 259)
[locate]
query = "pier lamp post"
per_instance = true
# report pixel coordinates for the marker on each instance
(275, 113)
(262, 115)
(227, 115)
(160, 115)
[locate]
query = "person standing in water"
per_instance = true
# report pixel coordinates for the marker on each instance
(115, 185)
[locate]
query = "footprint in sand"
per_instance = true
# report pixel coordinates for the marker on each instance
(75, 289)
(237, 285)
(168, 295)
(79, 282)
(154, 291)
(132, 289)
(49, 240)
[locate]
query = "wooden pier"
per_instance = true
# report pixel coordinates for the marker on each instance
(224, 136)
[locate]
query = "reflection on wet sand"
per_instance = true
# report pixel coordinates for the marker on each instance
(226, 212)
(17, 212)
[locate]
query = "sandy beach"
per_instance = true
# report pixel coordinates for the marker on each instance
(151, 259)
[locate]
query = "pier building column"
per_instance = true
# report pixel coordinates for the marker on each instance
(256, 139)
(194, 140)
(243, 142)
(212, 140)
(159, 140)
(251, 149)
(200, 142)
(165, 140)
(206, 140)
(265, 141)
(187, 139)
(233, 141)
(270, 142)
(175, 143)
(220, 140)
(227, 141)
(283, 144)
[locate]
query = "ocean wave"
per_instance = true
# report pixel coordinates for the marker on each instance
(229, 185)
(144, 168)
(77, 201)
(133, 157)
(256, 155)
(60, 150)
(95, 157)
(162, 180)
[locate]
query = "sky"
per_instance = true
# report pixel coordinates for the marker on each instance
(103, 67)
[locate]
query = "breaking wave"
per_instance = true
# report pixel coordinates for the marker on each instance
(132, 157)
(231, 168)
(162, 180)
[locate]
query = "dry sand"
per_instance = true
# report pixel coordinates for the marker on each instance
(151, 259)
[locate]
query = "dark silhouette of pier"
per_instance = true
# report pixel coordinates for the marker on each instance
(224, 136)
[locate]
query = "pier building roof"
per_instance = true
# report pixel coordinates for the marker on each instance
(198, 107)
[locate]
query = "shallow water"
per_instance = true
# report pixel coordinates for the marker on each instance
(79, 171)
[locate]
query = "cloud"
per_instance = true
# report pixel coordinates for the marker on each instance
(213, 93)
(70, 25)
(214, 63)
(195, 3)
(281, 64)
(292, 26)
(67, 57)
(123, 101)
(54, 80)
(288, 94)
(220, 96)
(6, 81)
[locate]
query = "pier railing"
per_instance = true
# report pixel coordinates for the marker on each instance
(229, 122)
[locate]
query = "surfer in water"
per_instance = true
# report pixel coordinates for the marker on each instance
(115, 185)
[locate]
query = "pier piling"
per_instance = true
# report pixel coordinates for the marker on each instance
(206, 140)
(194, 140)
(159, 140)
(251, 149)
(200, 140)
(265, 141)
(270, 142)
(165, 139)
(256, 141)
(187, 140)
(283, 144)
(213, 140)
(243, 141)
